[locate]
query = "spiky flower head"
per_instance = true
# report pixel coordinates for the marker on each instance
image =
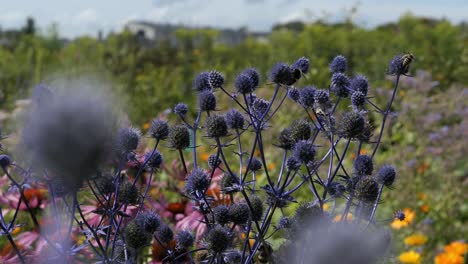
(179, 137)
(360, 83)
(301, 64)
(244, 84)
(135, 236)
(254, 76)
(363, 165)
(149, 220)
(293, 164)
(367, 190)
(306, 97)
(164, 233)
(257, 207)
(214, 161)
(352, 125)
(340, 84)
(229, 183)
(216, 126)
(294, 94)
(304, 151)
(386, 175)
(5, 161)
(159, 129)
(255, 164)
(202, 82)
(285, 222)
(197, 182)
(234, 119)
(128, 193)
(281, 73)
(128, 139)
(221, 214)
(300, 130)
(307, 213)
(260, 107)
(216, 79)
(239, 213)
(207, 101)
(184, 239)
(286, 139)
(338, 64)
(154, 159)
(181, 109)
(396, 66)
(322, 97)
(218, 239)
(358, 99)
(233, 257)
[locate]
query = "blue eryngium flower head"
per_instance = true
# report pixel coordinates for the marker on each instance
(301, 64)
(367, 189)
(207, 101)
(216, 79)
(304, 151)
(338, 64)
(293, 164)
(197, 182)
(221, 214)
(135, 235)
(202, 82)
(306, 96)
(159, 129)
(286, 139)
(5, 161)
(363, 165)
(154, 159)
(300, 130)
(128, 193)
(255, 164)
(396, 66)
(257, 207)
(352, 125)
(128, 139)
(260, 107)
(322, 100)
(340, 84)
(281, 73)
(358, 99)
(294, 94)
(216, 126)
(184, 239)
(218, 239)
(71, 135)
(213, 161)
(254, 76)
(234, 119)
(150, 221)
(239, 213)
(336, 189)
(360, 83)
(386, 175)
(181, 109)
(244, 84)
(179, 137)
(164, 233)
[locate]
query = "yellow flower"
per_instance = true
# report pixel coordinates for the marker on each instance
(326, 207)
(409, 218)
(449, 258)
(337, 218)
(410, 257)
(457, 247)
(415, 240)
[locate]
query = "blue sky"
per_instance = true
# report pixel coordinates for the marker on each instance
(79, 17)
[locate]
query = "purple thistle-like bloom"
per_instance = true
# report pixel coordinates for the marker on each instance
(181, 109)
(360, 83)
(304, 151)
(282, 74)
(254, 76)
(306, 97)
(340, 84)
(386, 175)
(216, 79)
(5, 161)
(197, 182)
(244, 84)
(363, 165)
(294, 94)
(154, 159)
(396, 66)
(301, 64)
(159, 129)
(207, 101)
(202, 82)
(338, 64)
(358, 99)
(234, 119)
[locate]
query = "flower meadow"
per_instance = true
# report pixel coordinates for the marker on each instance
(221, 181)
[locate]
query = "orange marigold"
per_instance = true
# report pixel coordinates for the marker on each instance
(448, 258)
(415, 240)
(410, 257)
(457, 247)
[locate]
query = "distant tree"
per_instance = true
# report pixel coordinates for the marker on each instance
(30, 27)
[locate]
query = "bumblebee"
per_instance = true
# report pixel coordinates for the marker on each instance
(265, 253)
(406, 60)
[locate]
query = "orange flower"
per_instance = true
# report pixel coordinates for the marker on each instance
(424, 208)
(204, 156)
(271, 166)
(409, 218)
(422, 168)
(361, 152)
(448, 258)
(410, 257)
(415, 240)
(457, 247)
(422, 196)
(146, 126)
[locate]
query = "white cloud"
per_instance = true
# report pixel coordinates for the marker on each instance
(86, 16)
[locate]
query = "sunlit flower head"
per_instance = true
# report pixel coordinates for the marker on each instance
(409, 218)
(415, 240)
(457, 247)
(449, 258)
(410, 257)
